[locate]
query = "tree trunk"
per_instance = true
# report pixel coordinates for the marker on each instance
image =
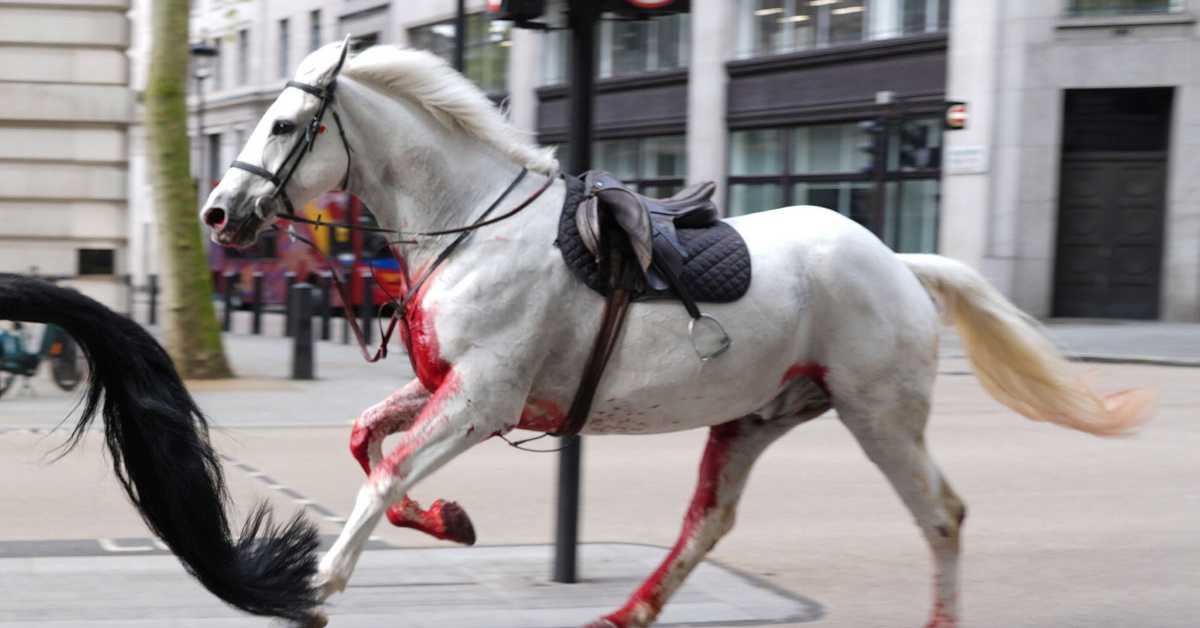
(191, 332)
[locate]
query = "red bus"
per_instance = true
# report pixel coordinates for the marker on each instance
(354, 254)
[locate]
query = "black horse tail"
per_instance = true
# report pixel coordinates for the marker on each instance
(160, 450)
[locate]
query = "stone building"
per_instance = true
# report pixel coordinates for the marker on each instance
(65, 106)
(1067, 187)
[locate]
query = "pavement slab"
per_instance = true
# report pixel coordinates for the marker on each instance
(482, 587)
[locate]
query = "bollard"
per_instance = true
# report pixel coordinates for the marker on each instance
(152, 287)
(127, 281)
(326, 303)
(256, 318)
(299, 309)
(289, 280)
(227, 297)
(368, 305)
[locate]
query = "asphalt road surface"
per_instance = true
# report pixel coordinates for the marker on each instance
(1063, 529)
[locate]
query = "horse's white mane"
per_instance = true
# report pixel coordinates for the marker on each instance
(449, 97)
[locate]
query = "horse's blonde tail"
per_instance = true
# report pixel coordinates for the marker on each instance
(1015, 362)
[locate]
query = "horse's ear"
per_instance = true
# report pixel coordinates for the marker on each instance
(342, 58)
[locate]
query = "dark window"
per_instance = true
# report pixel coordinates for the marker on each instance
(656, 166)
(243, 60)
(285, 64)
(214, 159)
(626, 47)
(486, 48)
(825, 165)
(218, 65)
(96, 262)
(362, 42)
(314, 29)
(1082, 8)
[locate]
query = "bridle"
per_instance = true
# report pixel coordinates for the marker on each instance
(303, 146)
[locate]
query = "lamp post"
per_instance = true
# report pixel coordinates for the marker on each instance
(203, 56)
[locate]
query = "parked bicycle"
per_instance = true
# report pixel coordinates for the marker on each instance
(68, 365)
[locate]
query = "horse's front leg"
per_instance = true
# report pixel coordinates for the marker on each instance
(462, 412)
(442, 520)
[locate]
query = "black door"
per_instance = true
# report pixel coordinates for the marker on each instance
(1112, 197)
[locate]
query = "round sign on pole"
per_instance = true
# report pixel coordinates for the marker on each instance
(956, 116)
(494, 5)
(651, 4)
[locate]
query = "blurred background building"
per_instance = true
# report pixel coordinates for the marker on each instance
(65, 106)
(1068, 186)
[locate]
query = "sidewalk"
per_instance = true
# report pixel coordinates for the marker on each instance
(1135, 342)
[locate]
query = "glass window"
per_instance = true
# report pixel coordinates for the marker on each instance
(314, 29)
(828, 169)
(285, 64)
(96, 262)
(637, 46)
(747, 198)
(756, 152)
(767, 27)
(663, 157)
(485, 48)
(852, 199)
(1122, 7)
(243, 59)
(912, 208)
(656, 165)
(846, 21)
(218, 65)
(828, 148)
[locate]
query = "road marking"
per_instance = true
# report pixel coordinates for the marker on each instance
(110, 545)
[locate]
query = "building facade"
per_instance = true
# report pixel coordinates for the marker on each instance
(65, 108)
(1073, 183)
(841, 103)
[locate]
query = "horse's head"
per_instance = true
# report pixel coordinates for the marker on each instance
(288, 160)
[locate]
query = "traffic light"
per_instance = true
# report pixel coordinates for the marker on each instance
(915, 152)
(874, 145)
(516, 10)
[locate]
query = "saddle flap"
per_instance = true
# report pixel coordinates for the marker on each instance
(587, 220)
(627, 210)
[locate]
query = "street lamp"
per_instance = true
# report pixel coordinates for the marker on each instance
(203, 58)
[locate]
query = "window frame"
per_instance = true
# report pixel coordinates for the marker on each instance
(1072, 9)
(787, 180)
(639, 182)
(482, 44)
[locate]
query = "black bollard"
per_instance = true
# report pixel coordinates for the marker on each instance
(227, 297)
(368, 308)
(326, 303)
(300, 302)
(256, 319)
(127, 281)
(289, 280)
(152, 287)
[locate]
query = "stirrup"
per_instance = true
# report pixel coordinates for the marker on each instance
(722, 347)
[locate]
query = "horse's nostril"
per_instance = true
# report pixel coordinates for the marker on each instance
(214, 217)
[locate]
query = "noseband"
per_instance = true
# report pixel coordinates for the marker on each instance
(303, 146)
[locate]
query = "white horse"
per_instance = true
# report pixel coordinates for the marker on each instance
(500, 331)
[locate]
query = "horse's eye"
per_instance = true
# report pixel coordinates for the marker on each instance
(282, 127)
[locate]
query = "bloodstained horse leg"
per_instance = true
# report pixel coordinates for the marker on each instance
(731, 451)
(443, 520)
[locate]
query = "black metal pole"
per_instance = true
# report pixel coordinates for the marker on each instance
(227, 297)
(582, 16)
(256, 318)
(368, 308)
(460, 36)
(326, 303)
(152, 286)
(289, 280)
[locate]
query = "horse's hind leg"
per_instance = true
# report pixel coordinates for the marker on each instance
(731, 451)
(890, 430)
(442, 520)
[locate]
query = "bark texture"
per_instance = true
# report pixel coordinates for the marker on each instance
(191, 332)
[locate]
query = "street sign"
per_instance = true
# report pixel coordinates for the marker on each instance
(516, 10)
(956, 116)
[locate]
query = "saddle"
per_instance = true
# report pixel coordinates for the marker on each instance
(630, 247)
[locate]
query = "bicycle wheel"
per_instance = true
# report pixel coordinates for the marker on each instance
(6, 381)
(69, 367)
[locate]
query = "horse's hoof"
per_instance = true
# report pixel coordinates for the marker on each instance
(316, 620)
(443, 520)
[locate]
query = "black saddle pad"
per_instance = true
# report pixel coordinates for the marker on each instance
(715, 270)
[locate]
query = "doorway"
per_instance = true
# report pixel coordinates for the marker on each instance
(1112, 203)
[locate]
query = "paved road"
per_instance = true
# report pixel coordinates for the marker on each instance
(1064, 530)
